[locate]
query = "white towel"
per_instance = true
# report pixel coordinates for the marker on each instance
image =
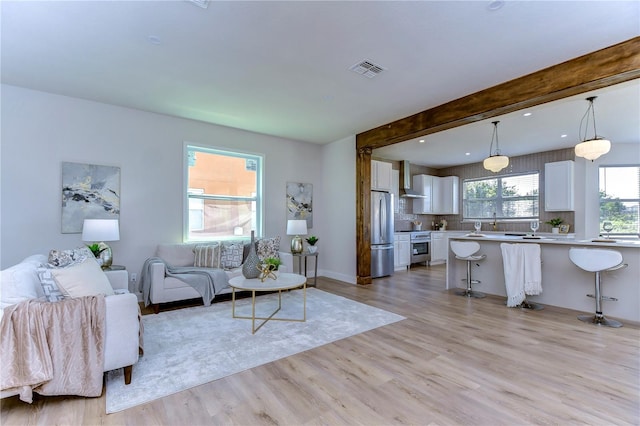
(532, 269)
(513, 262)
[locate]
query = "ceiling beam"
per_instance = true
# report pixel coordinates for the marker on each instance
(602, 68)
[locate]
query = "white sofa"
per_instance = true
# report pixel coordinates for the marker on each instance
(20, 282)
(165, 289)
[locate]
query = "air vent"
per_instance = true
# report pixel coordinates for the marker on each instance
(367, 69)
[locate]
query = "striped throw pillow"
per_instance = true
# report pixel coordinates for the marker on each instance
(207, 255)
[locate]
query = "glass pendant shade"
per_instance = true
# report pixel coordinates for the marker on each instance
(596, 146)
(593, 148)
(495, 161)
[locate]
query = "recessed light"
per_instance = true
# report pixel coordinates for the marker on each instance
(563, 136)
(421, 141)
(527, 114)
(154, 39)
(467, 153)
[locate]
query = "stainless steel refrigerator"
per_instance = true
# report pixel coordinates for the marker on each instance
(381, 234)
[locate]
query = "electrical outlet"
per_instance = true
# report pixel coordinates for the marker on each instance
(134, 277)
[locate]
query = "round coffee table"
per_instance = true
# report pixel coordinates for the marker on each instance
(285, 281)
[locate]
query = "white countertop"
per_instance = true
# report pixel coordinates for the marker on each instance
(548, 239)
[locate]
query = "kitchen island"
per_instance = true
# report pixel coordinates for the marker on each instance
(563, 283)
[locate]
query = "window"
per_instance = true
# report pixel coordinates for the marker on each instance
(620, 199)
(508, 197)
(223, 194)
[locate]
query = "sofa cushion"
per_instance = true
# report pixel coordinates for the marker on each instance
(63, 258)
(82, 279)
(177, 254)
(268, 247)
(48, 284)
(231, 255)
(19, 283)
(207, 255)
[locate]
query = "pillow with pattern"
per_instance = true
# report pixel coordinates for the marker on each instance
(64, 258)
(231, 255)
(207, 255)
(49, 285)
(268, 247)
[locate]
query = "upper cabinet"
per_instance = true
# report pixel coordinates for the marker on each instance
(441, 194)
(381, 176)
(558, 186)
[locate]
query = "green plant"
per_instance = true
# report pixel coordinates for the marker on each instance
(312, 240)
(555, 222)
(95, 249)
(274, 262)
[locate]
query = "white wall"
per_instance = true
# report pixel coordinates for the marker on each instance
(41, 130)
(338, 244)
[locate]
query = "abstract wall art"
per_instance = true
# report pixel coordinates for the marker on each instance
(300, 202)
(89, 191)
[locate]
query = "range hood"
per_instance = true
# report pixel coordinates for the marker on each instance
(405, 182)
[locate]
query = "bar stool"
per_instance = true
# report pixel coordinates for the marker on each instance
(597, 260)
(465, 250)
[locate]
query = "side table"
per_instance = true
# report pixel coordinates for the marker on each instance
(306, 255)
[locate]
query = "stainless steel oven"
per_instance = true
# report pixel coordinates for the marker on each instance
(421, 247)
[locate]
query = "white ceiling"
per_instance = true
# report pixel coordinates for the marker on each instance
(282, 68)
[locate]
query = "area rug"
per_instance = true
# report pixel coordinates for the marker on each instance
(192, 346)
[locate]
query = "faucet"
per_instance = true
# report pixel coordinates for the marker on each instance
(494, 223)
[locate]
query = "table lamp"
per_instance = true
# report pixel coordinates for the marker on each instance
(296, 228)
(94, 230)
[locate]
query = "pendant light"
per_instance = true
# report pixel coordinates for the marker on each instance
(596, 146)
(495, 162)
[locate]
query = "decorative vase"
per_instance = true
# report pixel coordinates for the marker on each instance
(555, 230)
(250, 267)
(312, 249)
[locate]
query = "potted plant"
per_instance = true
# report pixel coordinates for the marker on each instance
(273, 263)
(555, 223)
(312, 240)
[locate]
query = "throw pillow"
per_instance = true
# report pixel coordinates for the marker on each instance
(62, 258)
(231, 256)
(82, 279)
(268, 247)
(207, 255)
(19, 283)
(49, 285)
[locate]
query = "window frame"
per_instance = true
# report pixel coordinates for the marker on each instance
(257, 199)
(499, 200)
(621, 200)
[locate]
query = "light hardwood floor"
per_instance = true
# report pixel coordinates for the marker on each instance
(453, 361)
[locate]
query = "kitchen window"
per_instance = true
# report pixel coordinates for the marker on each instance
(619, 188)
(505, 197)
(223, 194)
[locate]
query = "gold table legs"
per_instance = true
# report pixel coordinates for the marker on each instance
(264, 320)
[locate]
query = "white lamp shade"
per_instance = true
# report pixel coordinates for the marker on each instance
(495, 163)
(100, 230)
(296, 227)
(593, 148)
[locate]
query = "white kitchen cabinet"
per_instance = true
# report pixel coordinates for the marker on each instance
(441, 194)
(449, 201)
(558, 186)
(438, 247)
(381, 176)
(401, 250)
(428, 186)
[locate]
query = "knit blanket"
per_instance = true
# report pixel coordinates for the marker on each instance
(206, 281)
(53, 348)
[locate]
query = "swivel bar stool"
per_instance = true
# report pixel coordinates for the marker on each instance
(465, 250)
(597, 260)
